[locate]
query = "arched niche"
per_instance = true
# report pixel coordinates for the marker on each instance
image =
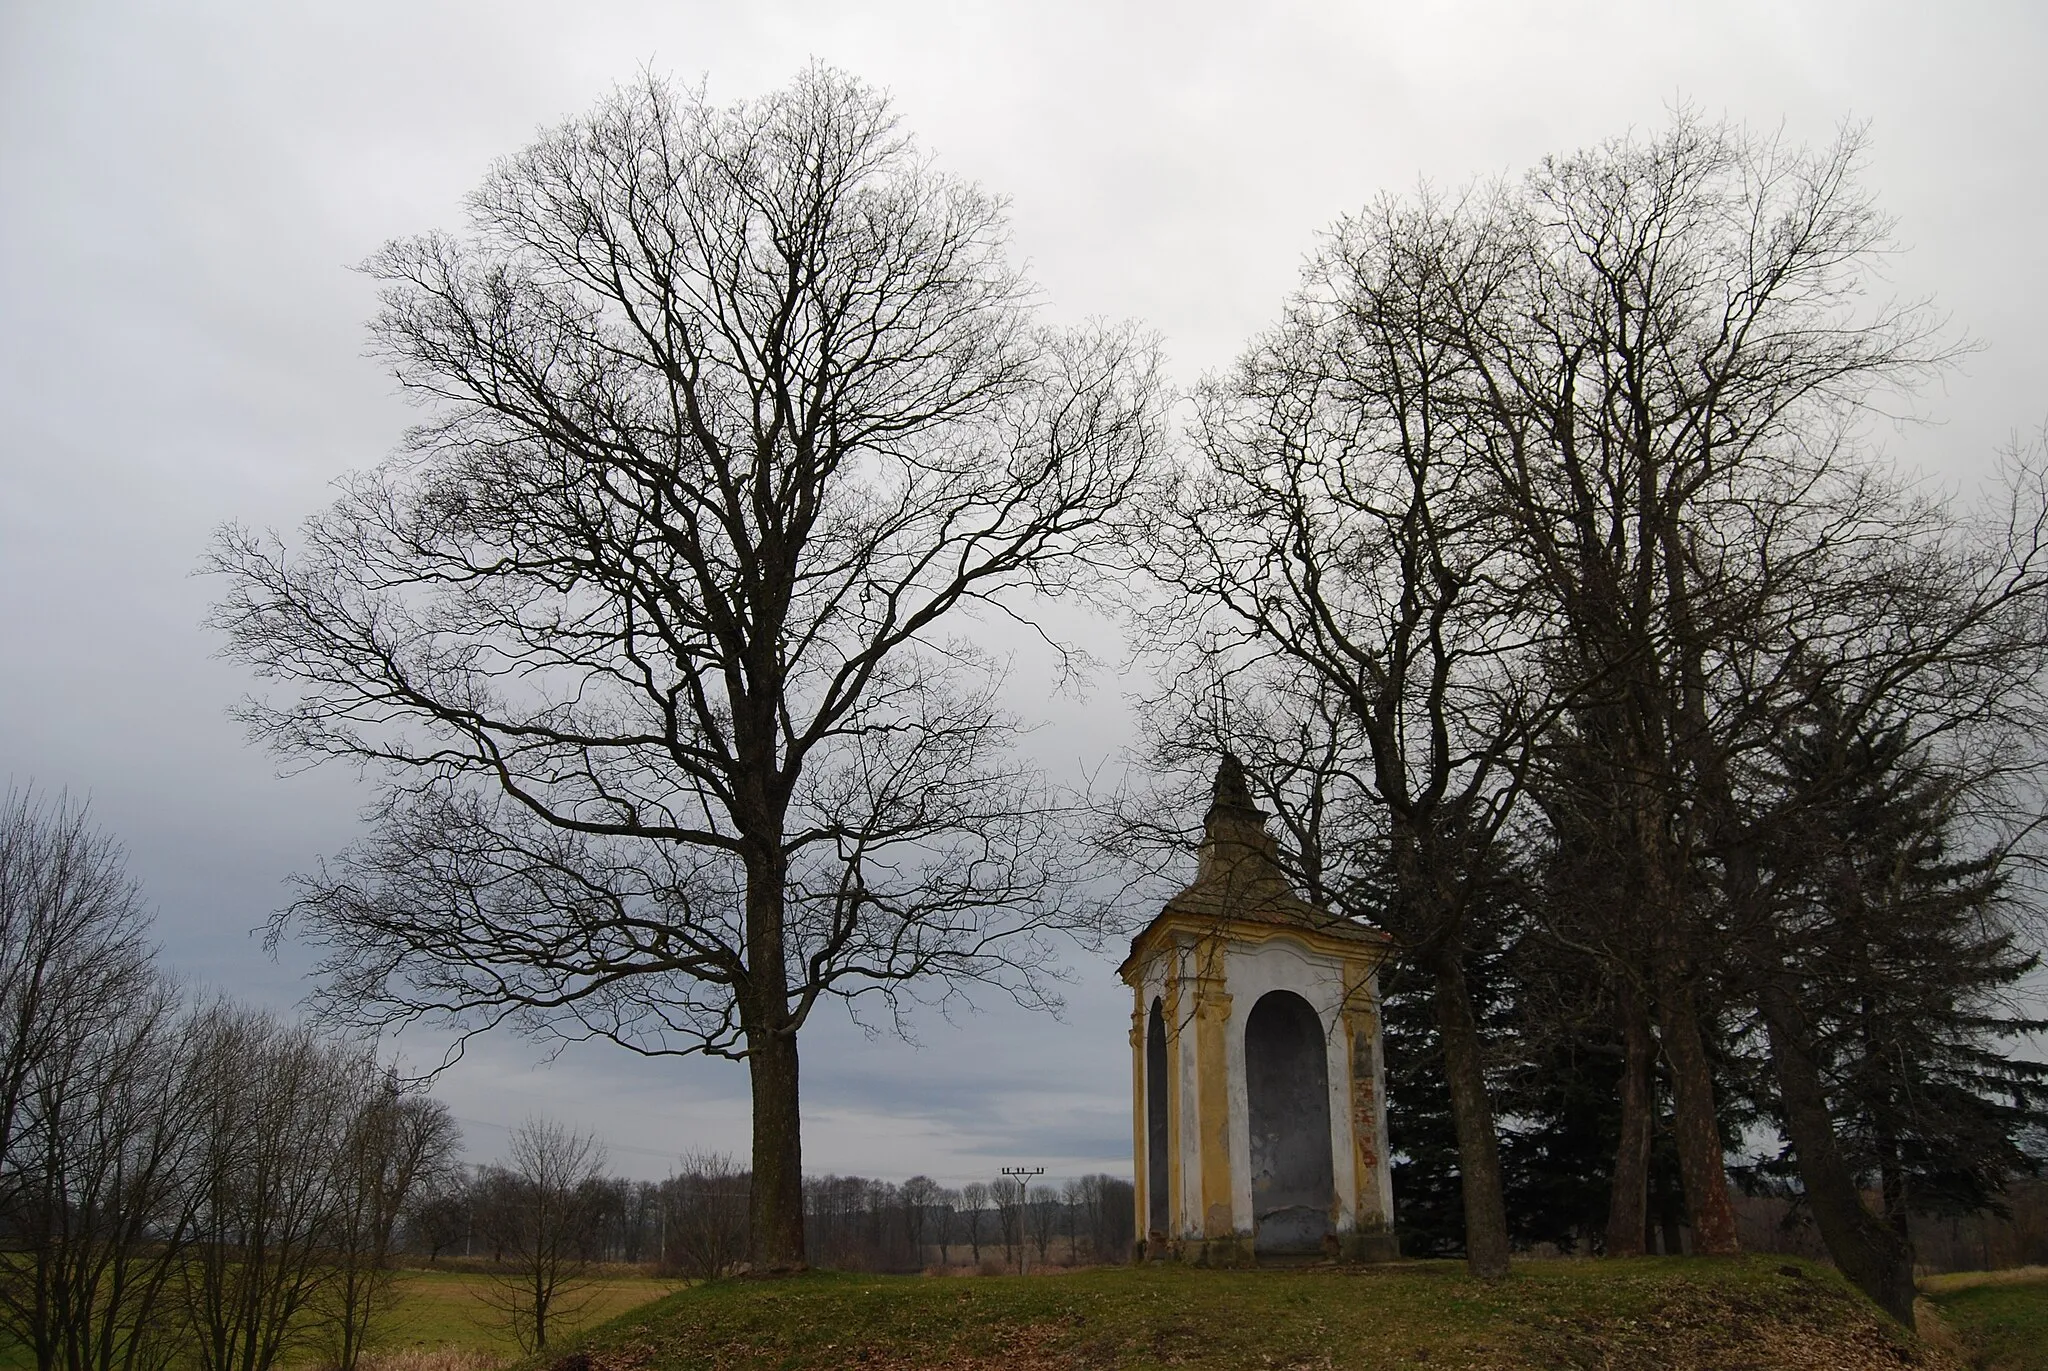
(1155, 1121)
(1287, 1097)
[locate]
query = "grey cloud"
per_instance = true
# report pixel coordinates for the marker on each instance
(183, 187)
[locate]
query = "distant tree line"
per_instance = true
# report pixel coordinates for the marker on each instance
(694, 1223)
(875, 1225)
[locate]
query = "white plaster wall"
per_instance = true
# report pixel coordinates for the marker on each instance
(1250, 971)
(1283, 964)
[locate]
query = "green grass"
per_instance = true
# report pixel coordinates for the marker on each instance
(449, 1308)
(1659, 1315)
(2000, 1317)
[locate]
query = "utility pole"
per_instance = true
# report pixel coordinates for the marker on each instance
(1024, 1175)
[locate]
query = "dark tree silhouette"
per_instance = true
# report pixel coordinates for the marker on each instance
(1907, 947)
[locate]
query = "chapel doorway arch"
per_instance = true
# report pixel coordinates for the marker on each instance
(1287, 1089)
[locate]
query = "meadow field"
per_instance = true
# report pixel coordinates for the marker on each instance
(1997, 1320)
(443, 1320)
(450, 1309)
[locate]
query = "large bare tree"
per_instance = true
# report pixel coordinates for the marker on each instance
(1687, 371)
(1680, 359)
(658, 629)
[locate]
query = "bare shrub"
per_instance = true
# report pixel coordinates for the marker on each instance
(706, 1215)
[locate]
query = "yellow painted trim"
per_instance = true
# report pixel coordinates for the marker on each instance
(1367, 942)
(1140, 1134)
(1212, 1017)
(1176, 1223)
(1361, 1029)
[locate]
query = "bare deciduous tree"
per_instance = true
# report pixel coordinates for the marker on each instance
(1042, 1215)
(1337, 561)
(71, 937)
(918, 1195)
(176, 1184)
(974, 1200)
(734, 414)
(438, 1219)
(398, 1147)
(551, 1170)
(1688, 358)
(1008, 1198)
(274, 1103)
(945, 1222)
(1681, 350)
(95, 1135)
(102, 1209)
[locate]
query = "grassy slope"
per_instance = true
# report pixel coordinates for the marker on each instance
(1659, 1315)
(2001, 1316)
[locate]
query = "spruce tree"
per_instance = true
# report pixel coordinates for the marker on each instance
(1908, 954)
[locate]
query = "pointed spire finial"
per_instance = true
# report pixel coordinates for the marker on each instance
(1232, 790)
(1236, 848)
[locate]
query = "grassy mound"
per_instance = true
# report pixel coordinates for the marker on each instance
(1671, 1314)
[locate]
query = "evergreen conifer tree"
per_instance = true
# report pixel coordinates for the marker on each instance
(1907, 954)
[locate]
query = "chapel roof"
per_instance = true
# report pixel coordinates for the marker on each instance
(1238, 878)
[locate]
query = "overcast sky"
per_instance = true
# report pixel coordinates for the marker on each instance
(183, 187)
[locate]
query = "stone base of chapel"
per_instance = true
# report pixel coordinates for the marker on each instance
(1236, 1250)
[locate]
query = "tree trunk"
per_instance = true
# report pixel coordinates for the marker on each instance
(1869, 1253)
(1891, 1173)
(1877, 1260)
(776, 1197)
(1695, 1128)
(1670, 1233)
(1891, 1169)
(1628, 1202)
(1486, 1220)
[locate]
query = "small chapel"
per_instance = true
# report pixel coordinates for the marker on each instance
(1256, 1064)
